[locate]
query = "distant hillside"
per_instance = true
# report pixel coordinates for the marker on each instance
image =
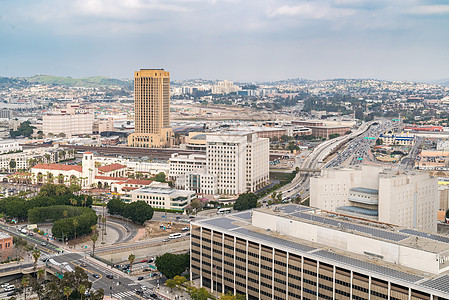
(444, 82)
(6, 82)
(80, 82)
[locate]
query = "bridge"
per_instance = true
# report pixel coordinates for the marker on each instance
(307, 170)
(12, 269)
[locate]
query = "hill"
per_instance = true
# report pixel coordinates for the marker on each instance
(97, 81)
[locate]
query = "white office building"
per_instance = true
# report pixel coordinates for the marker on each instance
(8, 146)
(407, 199)
(240, 160)
(71, 121)
(183, 164)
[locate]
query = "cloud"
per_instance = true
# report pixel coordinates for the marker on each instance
(311, 10)
(430, 10)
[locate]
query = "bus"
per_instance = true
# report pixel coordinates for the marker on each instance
(222, 211)
(175, 235)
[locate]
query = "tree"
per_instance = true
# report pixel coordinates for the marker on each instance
(94, 239)
(196, 204)
(36, 254)
(246, 201)
(274, 139)
(131, 259)
(171, 265)
(199, 294)
(67, 292)
(170, 283)
(81, 290)
(115, 206)
(292, 146)
(159, 177)
(75, 224)
(138, 212)
(230, 296)
(333, 135)
(25, 282)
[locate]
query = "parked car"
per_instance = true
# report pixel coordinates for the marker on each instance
(110, 276)
(140, 278)
(95, 275)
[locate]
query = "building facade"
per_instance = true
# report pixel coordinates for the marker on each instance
(406, 199)
(239, 160)
(151, 109)
(296, 252)
(7, 146)
(162, 196)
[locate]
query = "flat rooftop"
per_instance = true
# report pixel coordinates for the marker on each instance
(241, 225)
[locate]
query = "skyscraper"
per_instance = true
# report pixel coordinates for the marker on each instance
(151, 109)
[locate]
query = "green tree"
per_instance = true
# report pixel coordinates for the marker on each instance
(171, 265)
(75, 225)
(246, 201)
(81, 290)
(115, 206)
(170, 283)
(159, 177)
(94, 239)
(67, 292)
(131, 259)
(138, 212)
(25, 282)
(292, 146)
(36, 254)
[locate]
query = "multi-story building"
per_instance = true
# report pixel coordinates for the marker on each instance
(5, 113)
(6, 245)
(403, 139)
(162, 196)
(297, 252)
(8, 146)
(239, 160)
(71, 121)
(151, 109)
(182, 164)
(407, 199)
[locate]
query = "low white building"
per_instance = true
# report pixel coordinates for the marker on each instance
(71, 121)
(7, 146)
(161, 196)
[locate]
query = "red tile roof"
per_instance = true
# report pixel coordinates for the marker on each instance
(110, 168)
(88, 152)
(129, 188)
(58, 167)
(110, 178)
(135, 181)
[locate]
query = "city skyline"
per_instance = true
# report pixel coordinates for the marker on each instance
(239, 40)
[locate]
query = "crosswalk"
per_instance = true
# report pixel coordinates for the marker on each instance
(124, 295)
(56, 254)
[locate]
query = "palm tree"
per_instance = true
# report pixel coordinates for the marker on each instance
(131, 259)
(81, 290)
(40, 273)
(36, 254)
(25, 282)
(94, 239)
(67, 292)
(75, 224)
(103, 220)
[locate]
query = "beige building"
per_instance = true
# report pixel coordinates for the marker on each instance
(296, 252)
(151, 109)
(70, 121)
(239, 160)
(163, 196)
(407, 199)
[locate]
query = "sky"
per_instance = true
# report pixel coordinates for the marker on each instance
(240, 40)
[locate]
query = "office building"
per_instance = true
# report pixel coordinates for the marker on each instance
(151, 109)
(239, 160)
(70, 121)
(9, 146)
(407, 199)
(296, 252)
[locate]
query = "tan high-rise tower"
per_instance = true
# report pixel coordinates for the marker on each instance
(151, 109)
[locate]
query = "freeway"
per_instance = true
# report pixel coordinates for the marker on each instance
(316, 161)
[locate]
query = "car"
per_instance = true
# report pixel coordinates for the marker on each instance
(192, 217)
(44, 244)
(110, 276)
(45, 259)
(95, 275)
(177, 218)
(140, 278)
(146, 270)
(139, 292)
(185, 228)
(83, 264)
(11, 294)
(154, 296)
(30, 233)
(144, 260)
(166, 240)
(188, 233)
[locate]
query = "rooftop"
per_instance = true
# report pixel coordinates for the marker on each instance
(323, 234)
(364, 190)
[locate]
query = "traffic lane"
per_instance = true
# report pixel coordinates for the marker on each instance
(48, 249)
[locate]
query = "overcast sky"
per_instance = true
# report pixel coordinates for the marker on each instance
(241, 40)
